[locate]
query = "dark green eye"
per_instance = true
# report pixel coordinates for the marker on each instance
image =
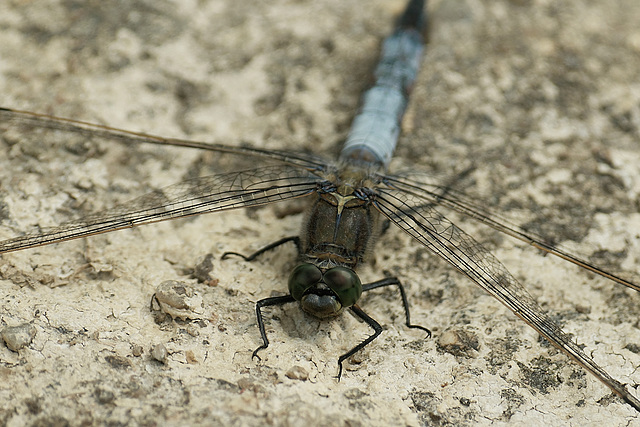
(345, 283)
(302, 278)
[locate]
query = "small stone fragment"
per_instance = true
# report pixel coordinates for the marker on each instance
(251, 385)
(137, 350)
(192, 330)
(178, 300)
(159, 353)
(191, 357)
(104, 396)
(297, 373)
(17, 337)
(118, 362)
(203, 268)
(459, 342)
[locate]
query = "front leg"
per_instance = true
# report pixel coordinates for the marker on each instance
(389, 281)
(377, 330)
(393, 281)
(266, 303)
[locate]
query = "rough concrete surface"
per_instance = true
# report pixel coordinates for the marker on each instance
(541, 98)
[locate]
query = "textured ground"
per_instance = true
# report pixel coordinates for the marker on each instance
(541, 97)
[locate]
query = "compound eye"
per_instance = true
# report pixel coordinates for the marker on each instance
(345, 283)
(302, 278)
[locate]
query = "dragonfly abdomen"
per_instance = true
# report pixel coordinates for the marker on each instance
(374, 132)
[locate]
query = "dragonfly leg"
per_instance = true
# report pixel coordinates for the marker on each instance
(294, 239)
(393, 281)
(267, 302)
(369, 321)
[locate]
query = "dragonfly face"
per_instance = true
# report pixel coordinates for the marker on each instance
(324, 293)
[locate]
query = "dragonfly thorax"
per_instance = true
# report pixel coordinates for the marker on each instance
(340, 229)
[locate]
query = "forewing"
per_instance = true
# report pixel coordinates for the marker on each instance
(198, 196)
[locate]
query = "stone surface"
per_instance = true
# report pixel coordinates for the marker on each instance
(541, 99)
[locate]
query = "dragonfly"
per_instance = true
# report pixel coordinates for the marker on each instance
(349, 202)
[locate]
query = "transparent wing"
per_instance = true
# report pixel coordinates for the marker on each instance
(203, 195)
(27, 121)
(421, 186)
(445, 239)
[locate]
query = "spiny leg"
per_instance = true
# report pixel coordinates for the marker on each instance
(294, 239)
(369, 321)
(267, 302)
(389, 281)
(393, 281)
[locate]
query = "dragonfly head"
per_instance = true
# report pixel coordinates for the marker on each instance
(324, 293)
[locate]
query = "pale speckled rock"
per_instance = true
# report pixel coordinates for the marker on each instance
(540, 97)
